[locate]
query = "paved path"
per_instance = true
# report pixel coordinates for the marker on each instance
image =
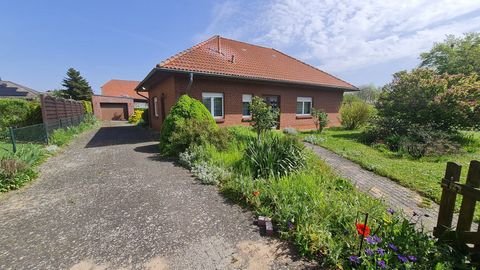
(108, 202)
(394, 195)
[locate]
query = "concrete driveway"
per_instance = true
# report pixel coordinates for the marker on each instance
(109, 202)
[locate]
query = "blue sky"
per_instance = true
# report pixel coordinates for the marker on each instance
(360, 41)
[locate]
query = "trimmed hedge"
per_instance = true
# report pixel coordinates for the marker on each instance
(19, 112)
(181, 117)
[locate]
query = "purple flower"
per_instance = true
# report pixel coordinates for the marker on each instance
(412, 258)
(380, 251)
(290, 225)
(369, 252)
(391, 211)
(354, 259)
(373, 240)
(382, 264)
(377, 239)
(402, 258)
(392, 247)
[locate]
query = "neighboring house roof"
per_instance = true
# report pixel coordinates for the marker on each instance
(225, 57)
(10, 89)
(121, 88)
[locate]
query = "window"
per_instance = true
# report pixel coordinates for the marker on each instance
(214, 103)
(246, 101)
(304, 105)
(155, 106)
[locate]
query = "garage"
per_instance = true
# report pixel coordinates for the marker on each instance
(112, 108)
(114, 111)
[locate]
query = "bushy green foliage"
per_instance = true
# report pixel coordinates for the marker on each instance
(63, 136)
(188, 122)
(368, 93)
(19, 112)
(87, 105)
(320, 118)
(455, 55)
(263, 116)
(355, 114)
(145, 116)
(136, 117)
(16, 169)
(274, 156)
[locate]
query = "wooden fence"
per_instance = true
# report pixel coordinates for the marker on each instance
(461, 234)
(59, 112)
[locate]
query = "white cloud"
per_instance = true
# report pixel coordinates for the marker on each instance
(342, 35)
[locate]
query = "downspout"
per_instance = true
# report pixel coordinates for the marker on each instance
(190, 81)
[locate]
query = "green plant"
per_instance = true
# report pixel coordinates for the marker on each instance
(145, 116)
(63, 136)
(87, 105)
(274, 156)
(76, 87)
(19, 112)
(290, 131)
(355, 114)
(264, 117)
(188, 122)
(320, 118)
(209, 174)
(136, 116)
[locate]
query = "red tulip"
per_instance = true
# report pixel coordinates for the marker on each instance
(256, 193)
(363, 229)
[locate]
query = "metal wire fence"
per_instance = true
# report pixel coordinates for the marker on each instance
(38, 133)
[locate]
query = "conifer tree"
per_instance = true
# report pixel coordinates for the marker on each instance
(76, 87)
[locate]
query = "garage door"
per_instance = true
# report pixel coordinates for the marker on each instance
(114, 111)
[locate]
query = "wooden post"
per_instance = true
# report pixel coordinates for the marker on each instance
(467, 209)
(447, 201)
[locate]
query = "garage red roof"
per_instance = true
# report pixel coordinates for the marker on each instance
(222, 56)
(121, 88)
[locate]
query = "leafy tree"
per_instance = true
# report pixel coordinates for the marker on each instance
(76, 87)
(355, 114)
(454, 55)
(320, 118)
(422, 97)
(368, 93)
(263, 116)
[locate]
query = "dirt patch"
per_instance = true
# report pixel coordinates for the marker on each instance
(156, 263)
(259, 254)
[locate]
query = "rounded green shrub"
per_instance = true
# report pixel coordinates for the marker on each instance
(188, 122)
(87, 105)
(355, 114)
(18, 112)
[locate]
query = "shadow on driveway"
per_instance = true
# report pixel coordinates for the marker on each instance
(118, 135)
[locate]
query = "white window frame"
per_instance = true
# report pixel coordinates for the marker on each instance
(303, 100)
(247, 98)
(211, 96)
(155, 106)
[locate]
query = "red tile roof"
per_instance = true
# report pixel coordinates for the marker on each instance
(121, 88)
(222, 56)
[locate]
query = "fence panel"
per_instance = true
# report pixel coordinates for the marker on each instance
(60, 113)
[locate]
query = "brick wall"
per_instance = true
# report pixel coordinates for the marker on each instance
(323, 98)
(166, 88)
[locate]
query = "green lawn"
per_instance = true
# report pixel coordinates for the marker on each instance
(422, 175)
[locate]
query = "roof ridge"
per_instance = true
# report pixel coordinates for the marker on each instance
(300, 61)
(28, 89)
(246, 43)
(194, 47)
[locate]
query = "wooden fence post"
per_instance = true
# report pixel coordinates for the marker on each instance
(447, 201)
(467, 209)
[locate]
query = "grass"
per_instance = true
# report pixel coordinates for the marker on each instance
(17, 169)
(422, 175)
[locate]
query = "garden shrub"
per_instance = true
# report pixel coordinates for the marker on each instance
(136, 117)
(355, 114)
(264, 117)
(209, 174)
(290, 131)
(188, 122)
(320, 118)
(274, 156)
(145, 117)
(87, 105)
(19, 112)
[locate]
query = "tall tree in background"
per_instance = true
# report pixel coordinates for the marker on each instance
(454, 55)
(76, 87)
(368, 93)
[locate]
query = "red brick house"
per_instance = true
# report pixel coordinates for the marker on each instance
(224, 74)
